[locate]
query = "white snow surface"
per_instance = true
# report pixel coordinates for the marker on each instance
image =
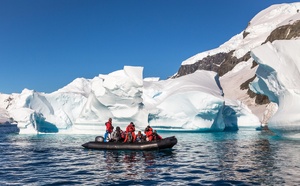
(278, 77)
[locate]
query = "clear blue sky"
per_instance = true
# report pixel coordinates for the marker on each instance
(46, 44)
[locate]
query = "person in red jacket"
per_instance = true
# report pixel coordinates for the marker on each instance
(156, 136)
(109, 130)
(130, 131)
(149, 133)
(109, 127)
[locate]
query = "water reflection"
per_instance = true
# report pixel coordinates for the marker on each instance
(134, 164)
(250, 160)
(233, 157)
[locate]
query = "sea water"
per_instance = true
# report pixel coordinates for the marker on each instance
(245, 157)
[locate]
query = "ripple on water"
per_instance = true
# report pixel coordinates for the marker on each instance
(239, 158)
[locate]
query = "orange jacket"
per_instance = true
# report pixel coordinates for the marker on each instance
(149, 134)
(109, 127)
(130, 128)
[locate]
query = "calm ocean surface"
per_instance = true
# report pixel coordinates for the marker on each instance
(246, 157)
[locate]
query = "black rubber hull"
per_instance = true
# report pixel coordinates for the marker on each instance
(153, 145)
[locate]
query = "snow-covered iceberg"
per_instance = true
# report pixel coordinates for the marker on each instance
(278, 77)
(193, 102)
(83, 106)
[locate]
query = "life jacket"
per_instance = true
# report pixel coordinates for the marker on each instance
(149, 132)
(130, 128)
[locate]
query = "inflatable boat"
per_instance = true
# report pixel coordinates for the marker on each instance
(165, 143)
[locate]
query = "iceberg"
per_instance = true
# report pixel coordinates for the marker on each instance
(193, 102)
(278, 77)
(83, 106)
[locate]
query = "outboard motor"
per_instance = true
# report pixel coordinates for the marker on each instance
(99, 139)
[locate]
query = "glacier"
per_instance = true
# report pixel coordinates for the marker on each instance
(278, 77)
(193, 102)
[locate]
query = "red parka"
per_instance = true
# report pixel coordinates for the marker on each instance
(109, 127)
(130, 129)
(149, 133)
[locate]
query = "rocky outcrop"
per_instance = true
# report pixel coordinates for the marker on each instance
(231, 62)
(220, 63)
(285, 32)
(210, 63)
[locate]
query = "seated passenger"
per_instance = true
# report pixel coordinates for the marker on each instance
(149, 133)
(117, 135)
(156, 136)
(140, 137)
(130, 135)
(123, 135)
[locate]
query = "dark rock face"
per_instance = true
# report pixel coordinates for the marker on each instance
(220, 63)
(259, 98)
(231, 62)
(285, 32)
(210, 63)
(245, 34)
(245, 85)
